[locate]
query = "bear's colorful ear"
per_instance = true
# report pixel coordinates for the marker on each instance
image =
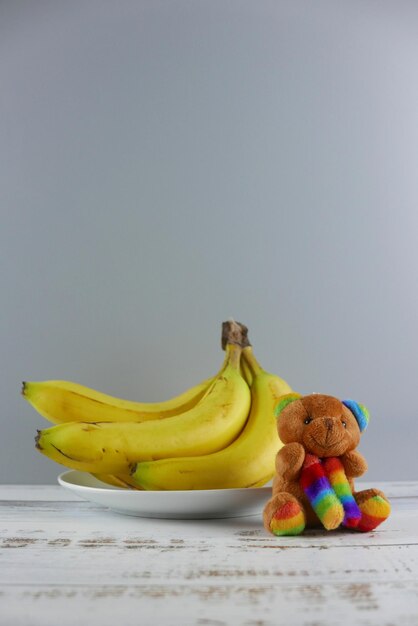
(284, 401)
(360, 413)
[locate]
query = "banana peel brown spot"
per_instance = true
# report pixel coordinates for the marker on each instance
(72, 458)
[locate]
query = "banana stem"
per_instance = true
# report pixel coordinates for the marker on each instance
(251, 361)
(235, 336)
(234, 332)
(233, 354)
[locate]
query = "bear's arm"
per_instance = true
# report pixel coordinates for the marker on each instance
(289, 460)
(354, 464)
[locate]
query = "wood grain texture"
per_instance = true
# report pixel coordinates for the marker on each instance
(65, 561)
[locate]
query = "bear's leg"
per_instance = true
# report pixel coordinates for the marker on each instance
(374, 508)
(284, 515)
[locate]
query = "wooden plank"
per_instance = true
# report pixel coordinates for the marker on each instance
(72, 562)
(82, 520)
(393, 489)
(216, 604)
(36, 492)
(140, 561)
(56, 541)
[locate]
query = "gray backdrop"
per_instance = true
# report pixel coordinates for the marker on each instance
(167, 165)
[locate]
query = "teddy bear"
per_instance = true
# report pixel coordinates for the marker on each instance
(315, 468)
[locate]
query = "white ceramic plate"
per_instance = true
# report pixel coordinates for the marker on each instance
(211, 503)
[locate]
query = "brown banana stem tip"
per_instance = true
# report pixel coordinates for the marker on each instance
(37, 437)
(235, 333)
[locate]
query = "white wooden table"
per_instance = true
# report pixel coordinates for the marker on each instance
(66, 562)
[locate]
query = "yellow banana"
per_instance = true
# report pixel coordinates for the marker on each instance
(124, 482)
(246, 372)
(109, 448)
(62, 401)
(247, 462)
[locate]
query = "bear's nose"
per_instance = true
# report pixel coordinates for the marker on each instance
(329, 423)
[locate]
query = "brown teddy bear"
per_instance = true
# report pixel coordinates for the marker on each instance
(316, 466)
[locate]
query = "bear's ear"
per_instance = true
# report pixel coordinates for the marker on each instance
(284, 401)
(360, 413)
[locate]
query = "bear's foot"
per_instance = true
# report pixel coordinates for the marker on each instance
(284, 515)
(374, 508)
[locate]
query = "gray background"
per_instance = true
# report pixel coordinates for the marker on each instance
(167, 165)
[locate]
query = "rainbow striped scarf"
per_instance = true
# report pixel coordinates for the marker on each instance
(328, 491)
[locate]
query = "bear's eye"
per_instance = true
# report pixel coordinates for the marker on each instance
(308, 420)
(344, 423)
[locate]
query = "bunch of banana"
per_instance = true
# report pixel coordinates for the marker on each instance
(247, 462)
(221, 433)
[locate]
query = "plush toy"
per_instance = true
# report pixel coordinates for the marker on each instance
(316, 466)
